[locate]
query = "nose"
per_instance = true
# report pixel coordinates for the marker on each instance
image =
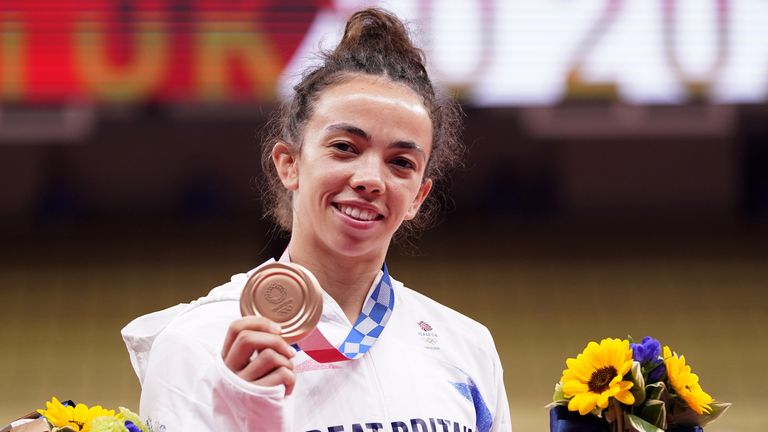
(368, 177)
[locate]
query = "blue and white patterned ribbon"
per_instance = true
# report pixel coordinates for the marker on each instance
(365, 332)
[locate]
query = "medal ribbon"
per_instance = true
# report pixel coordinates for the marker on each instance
(370, 323)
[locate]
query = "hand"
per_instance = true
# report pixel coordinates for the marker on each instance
(255, 351)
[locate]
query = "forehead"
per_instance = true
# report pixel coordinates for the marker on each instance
(376, 104)
(376, 88)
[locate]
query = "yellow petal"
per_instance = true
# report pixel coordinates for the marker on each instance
(625, 366)
(667, 352)
(603, 354)
(625, 397)
(602, 400)
(81, 412)
(587, 403)
(573, 404)
(579, 369)
(574, 387)
(615, 381)
(617, 353)
(593, 356)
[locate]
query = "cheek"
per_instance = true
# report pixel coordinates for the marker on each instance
(327, 175)
(407, 195)
(321, 178)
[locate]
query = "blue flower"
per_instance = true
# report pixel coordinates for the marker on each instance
(648, 351)
(648, 354)
(657, 374)
(131, 427)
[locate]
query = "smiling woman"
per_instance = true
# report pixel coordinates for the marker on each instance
(360, 171)
(375, 45)
(354, 159)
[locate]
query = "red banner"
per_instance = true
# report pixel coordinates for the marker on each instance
(130, 51)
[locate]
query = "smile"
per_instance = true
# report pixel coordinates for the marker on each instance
(357, 213)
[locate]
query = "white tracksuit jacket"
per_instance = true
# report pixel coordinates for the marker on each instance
(432, 370)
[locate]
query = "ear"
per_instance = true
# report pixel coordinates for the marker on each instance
(286, 163)
(426, 186)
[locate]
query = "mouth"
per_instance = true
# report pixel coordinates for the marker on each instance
(357, 213)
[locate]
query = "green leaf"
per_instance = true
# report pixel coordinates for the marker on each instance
(638, 387)
(126, 414)
(718, 409)
(558, 398)
(655, 412)
(681, 414)
(655, 390)
(556, 403)
(559, 395)
(641, 425)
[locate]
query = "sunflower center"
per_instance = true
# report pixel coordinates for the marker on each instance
(601, 379)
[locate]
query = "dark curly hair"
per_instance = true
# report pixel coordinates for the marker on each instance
(375, 42)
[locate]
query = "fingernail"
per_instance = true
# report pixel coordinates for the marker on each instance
(292, 350)
(275, 328)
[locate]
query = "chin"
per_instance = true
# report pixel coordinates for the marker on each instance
(355, 247)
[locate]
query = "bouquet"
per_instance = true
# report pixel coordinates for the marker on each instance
(68, 417)
(621, 386)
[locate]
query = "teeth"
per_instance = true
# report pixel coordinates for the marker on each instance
(356, 213)
(365, 214)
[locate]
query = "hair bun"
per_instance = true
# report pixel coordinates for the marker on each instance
(374, 37)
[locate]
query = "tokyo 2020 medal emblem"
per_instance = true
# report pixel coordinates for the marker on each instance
(286, 293)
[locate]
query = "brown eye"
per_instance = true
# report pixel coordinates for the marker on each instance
(343, 146)
(403, 163)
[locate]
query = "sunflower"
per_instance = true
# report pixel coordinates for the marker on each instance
(685, 383)
(596, 375)
(78, 418)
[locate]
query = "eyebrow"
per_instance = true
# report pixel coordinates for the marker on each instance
(346, 127)
(354, 130)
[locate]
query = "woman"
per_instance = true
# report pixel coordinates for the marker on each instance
(353, 162)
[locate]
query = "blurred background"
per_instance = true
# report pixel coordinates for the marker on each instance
(617, 181)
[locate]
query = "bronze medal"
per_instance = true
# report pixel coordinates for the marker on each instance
(286, 293)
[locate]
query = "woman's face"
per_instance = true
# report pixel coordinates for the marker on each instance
(360, 169)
